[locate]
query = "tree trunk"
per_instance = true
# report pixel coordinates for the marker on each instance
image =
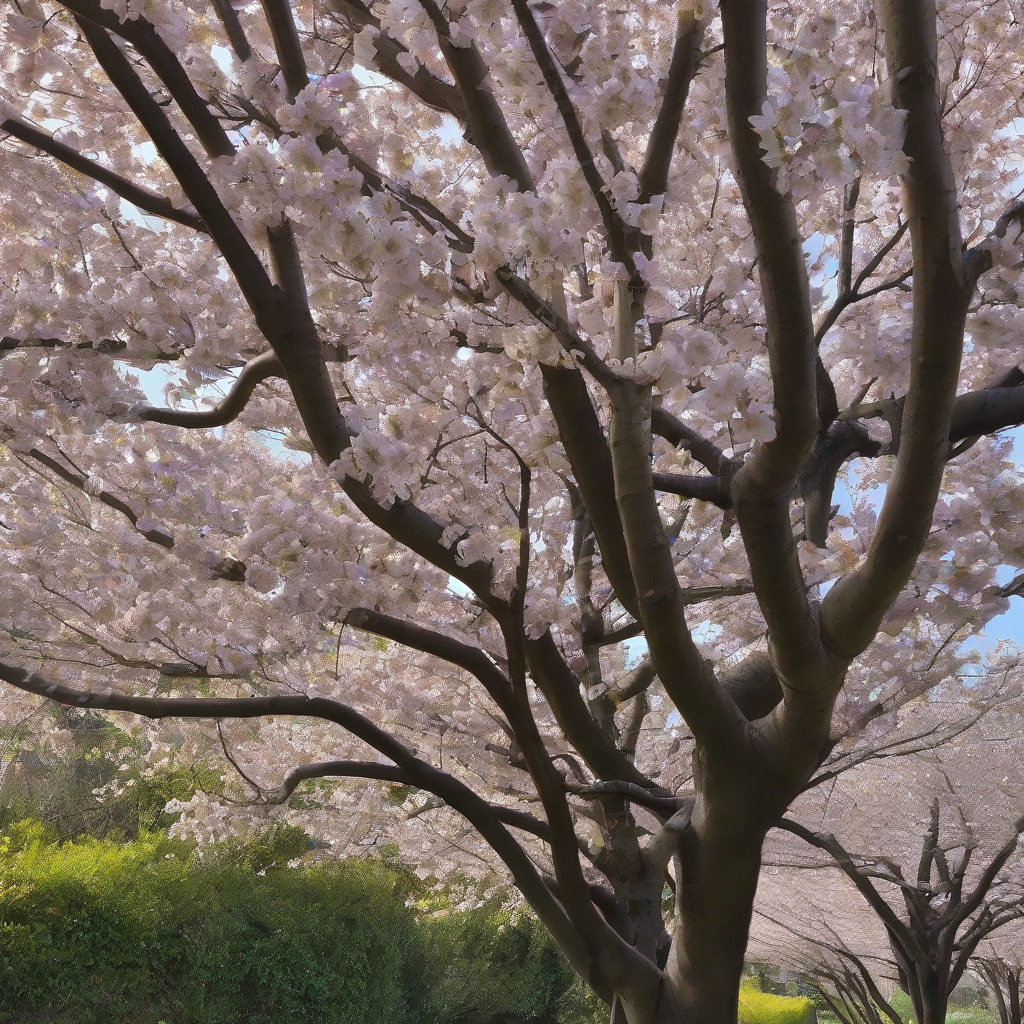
(714, 905)
(714, 909)
(929, 996)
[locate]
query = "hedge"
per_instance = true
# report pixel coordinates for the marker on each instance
(138, 933)
(758, 1007)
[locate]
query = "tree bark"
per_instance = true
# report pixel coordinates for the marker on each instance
(715, 905)
(929, 995)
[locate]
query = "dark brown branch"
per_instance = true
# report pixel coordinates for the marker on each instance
(487, 128)
(561, 688)
(427, 87)
(143, 198)
(254, 373)
(454, 792)
(586, 448)
(233, 29)
(842, 441)
(677, 433)
(661, 144)
(661, 801)
(144, 37)
(955, 915)
(243, 261)
(409, 634)
(703, 488)
(154, 534)
(566, 335)
(287, 45)
(390, 773)
(631, 684)
(854, 607)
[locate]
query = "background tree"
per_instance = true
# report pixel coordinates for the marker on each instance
(930, 842)
(500, 276)
(997, 963)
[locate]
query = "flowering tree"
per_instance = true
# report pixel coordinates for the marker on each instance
(527, 285)
(823, 930)
(998, 963)
(930, 842)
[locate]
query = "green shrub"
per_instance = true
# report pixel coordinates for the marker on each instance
(142, 933)
(98, 931)
(491, 965)
(761, 1008)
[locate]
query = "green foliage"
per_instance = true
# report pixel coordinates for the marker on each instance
(969, 1015)
(580, 1005)
(490, 965)
(763, 1008)
(264, 851)
(901, 1003)
(101, 785)
(99, 931)
(141, 933)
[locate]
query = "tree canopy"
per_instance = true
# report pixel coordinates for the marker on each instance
(582, 416)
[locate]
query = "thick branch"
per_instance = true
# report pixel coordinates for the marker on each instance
(392, 773)
(487, 128)
(855, 606)
(632, 683)
(287, 45)
(688, 679)
(661, 144)
(560, 686)
(233, 28)
(762, 487)
(586, 448)
(455, 793)
(144, 37)
(433, 91)
(712, 489)
(678, 434)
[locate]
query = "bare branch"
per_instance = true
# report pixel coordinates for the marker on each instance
(233, 28)
(561, 688)
(677, 433)
(287, 45)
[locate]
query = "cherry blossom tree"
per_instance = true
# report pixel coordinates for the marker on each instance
(930, 842)
(999, 963)
(825, 932)
(540, 329)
